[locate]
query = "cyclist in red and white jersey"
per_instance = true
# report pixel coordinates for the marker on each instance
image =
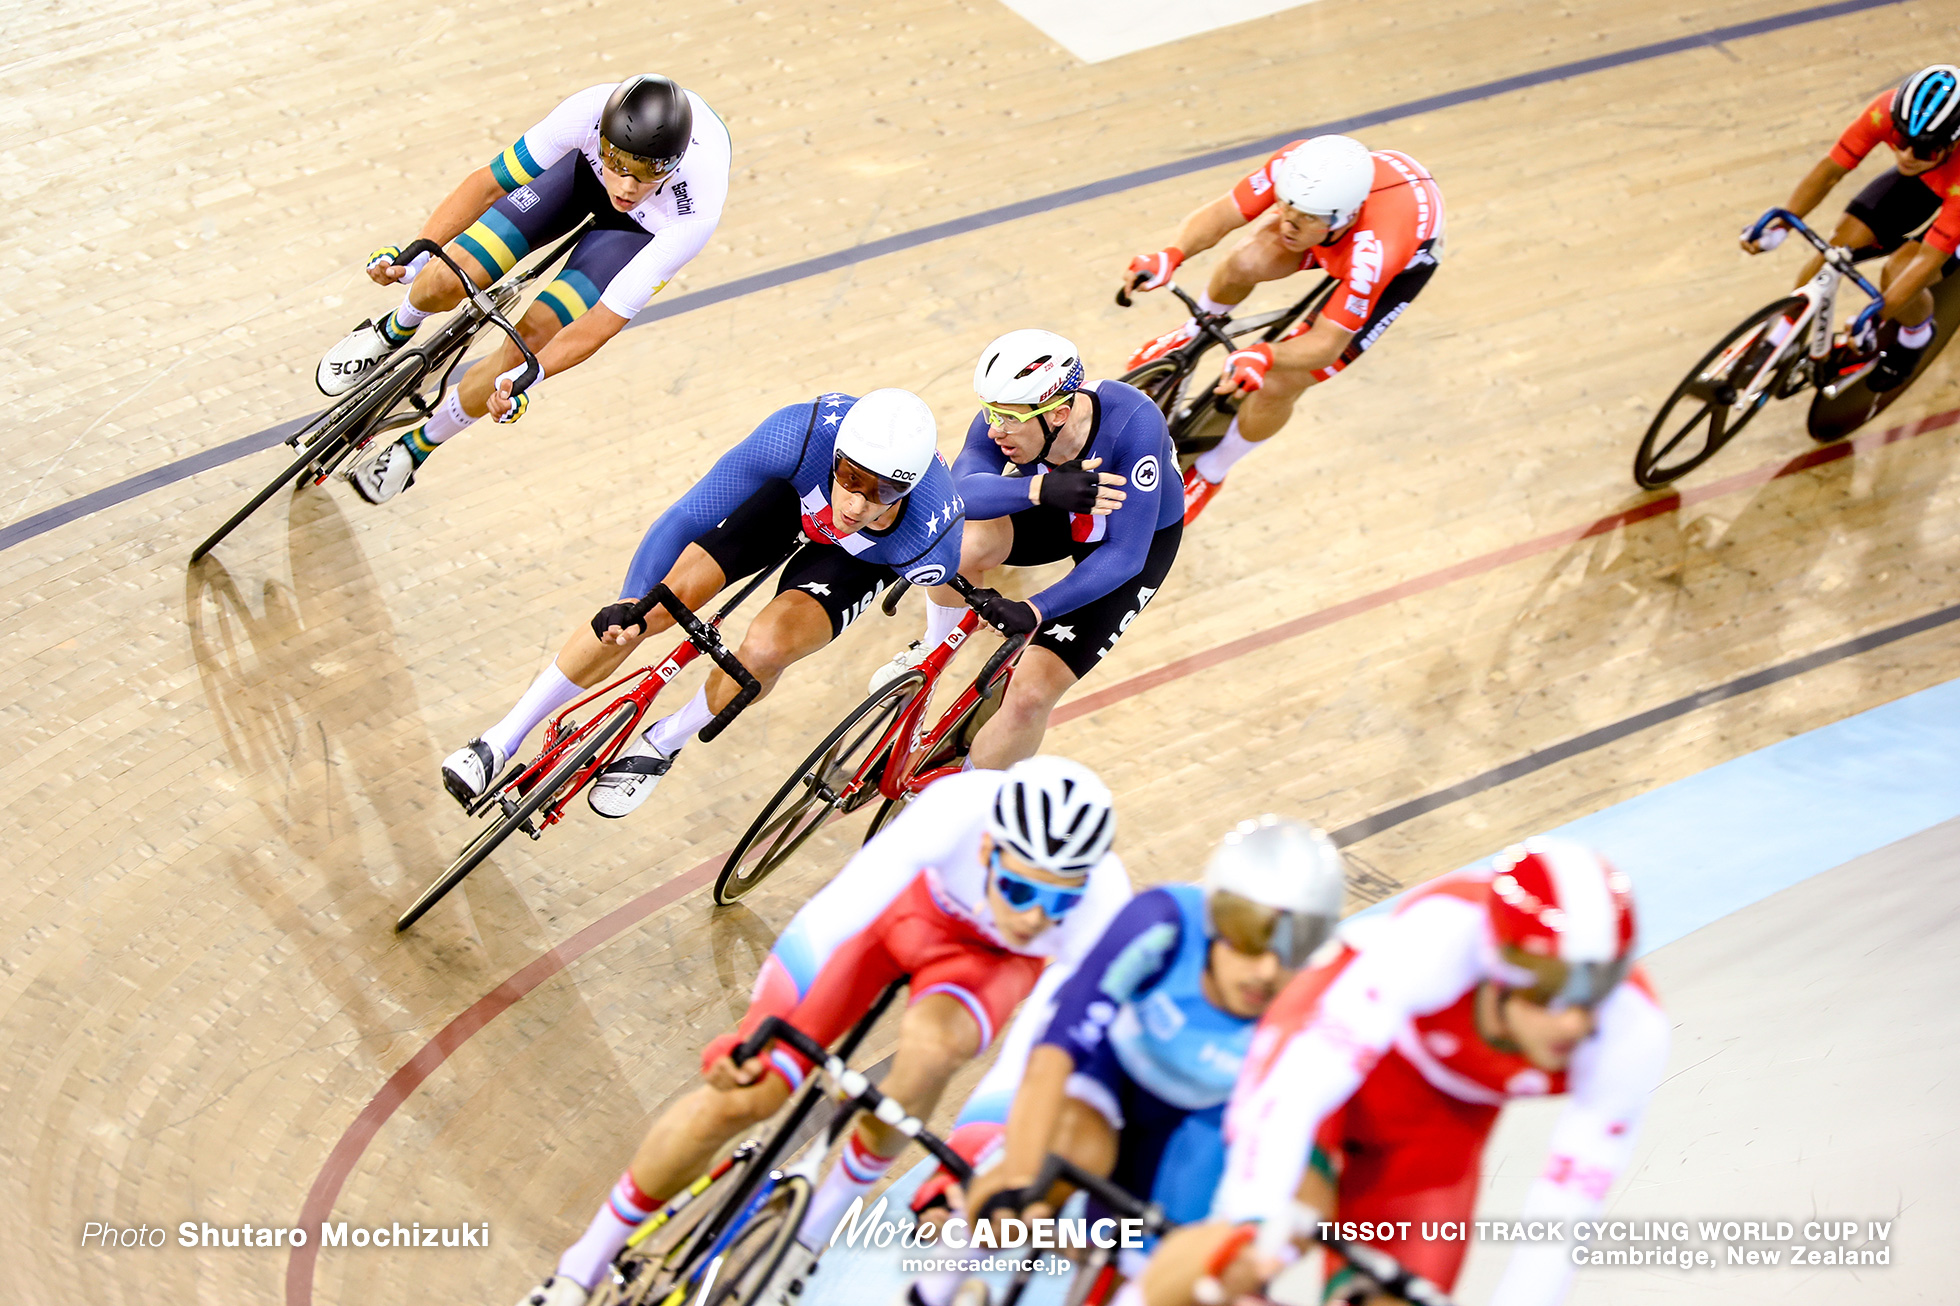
(1376, 1078)
(979, 883)
(1911, 212)
(1372, 220)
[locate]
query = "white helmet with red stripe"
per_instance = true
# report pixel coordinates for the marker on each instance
(1562, 917)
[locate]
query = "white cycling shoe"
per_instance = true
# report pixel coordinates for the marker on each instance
(468, 771)
(556, 1290)
(621, 788)
(909, 660)
(359, 352)
(385, 475)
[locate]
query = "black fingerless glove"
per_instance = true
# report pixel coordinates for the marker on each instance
(626, 614)
(1010, 617)
(1069, 488)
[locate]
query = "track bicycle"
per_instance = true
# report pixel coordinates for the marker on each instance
(396, 394)
(1777, 352)
(881, 750)
(1199, 421)
(531, 796)
(723, 1238)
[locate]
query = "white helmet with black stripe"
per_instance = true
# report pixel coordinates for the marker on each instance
(1054, 814)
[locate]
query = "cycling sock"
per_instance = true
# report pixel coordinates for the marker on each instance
(669, 733)
(399, 325)
(1917, 337)
(448, 420)
(936, 1288)
(1213, 463)
(625, 1210)
(1212, 306)
(418, 445)
(940, 622)
(549, 692)
(857, 1171)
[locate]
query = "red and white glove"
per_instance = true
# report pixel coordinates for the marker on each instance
(1245, 369)
(1154, 271)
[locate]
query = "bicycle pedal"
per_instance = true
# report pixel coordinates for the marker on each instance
(530, 829)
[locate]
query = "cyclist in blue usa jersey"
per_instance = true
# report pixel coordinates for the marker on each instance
(860, 479)
(1029, 475)
(1124, 1063)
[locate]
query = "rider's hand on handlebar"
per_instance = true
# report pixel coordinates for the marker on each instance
(1864, 327)
(1773, 235)
(382, 268)
(1010, 617)
(971, 1200)
(724, 1076)
(1245, 369)
(620, 623)
(1153, 271)
(1078, 487)
(506, 407)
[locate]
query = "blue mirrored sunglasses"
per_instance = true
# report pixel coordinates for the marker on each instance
(1021, 893)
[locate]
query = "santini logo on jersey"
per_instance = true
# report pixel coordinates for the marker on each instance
(682, 204)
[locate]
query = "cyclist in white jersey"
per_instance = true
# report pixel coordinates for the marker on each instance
(644, 159)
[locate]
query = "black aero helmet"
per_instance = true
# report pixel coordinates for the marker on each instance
(649, 119)
(1926, 109)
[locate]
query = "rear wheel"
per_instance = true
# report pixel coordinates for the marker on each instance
(1729, 386)
(1162, 379)
(815, 791)
(578, 757)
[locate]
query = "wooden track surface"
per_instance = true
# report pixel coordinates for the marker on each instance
(224, 779)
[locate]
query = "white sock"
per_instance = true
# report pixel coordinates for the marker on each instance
(408, 317)
(625, 1210)
(1916, 337)
(549, 692)
(1212, 306)
(857, 1171)
(1130, 1294)
(1213, 463)
(669, 733)
(940, 622)
(448, 420)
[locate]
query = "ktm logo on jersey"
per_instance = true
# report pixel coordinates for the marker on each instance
(1366, 268)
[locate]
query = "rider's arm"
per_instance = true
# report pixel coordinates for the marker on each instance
(1613, 1077)
(1319, 347)
(768, 453)
(978, 475)
(1922, 272)
(1816, 184)
(1132, 526)
(1208, 224)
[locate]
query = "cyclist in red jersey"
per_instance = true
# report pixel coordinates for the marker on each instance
(981, 881)
(1911, 212)
(1374, 221)
(1376, 1078)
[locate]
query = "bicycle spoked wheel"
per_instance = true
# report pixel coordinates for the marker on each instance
(1729, 386)
(510, 821)
(651, 1265)
(757, 1251)
(814, 792)
(342, 428)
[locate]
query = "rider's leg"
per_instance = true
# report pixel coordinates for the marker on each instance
(984, 545)
(937, 1037)
(681, 1145)
(585, 660)
(1257, 256)
(1920, 307)
(1040, 680)
(469, 399)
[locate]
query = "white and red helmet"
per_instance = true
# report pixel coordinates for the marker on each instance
(1562, 917)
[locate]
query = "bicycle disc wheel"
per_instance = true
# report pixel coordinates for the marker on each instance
(812, 794)
(1719, 397)
(647, 1269)
(753, 1256)
(488, 840)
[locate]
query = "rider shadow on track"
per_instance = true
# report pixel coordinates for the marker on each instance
(317, 710)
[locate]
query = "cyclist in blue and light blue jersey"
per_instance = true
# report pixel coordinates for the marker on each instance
(1053, 469)
(860, 481)
(1142, 1041)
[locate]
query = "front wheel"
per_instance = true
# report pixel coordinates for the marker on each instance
(519, 813)
(668, 1246)
(850, 754)
(1729, 386)
(749, 1263)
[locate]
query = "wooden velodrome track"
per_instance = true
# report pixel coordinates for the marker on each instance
(222, 785)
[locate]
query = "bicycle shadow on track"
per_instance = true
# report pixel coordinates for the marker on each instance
(317, 710)
(1647, 612)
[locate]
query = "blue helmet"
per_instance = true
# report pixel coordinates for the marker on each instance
(1926, 109)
